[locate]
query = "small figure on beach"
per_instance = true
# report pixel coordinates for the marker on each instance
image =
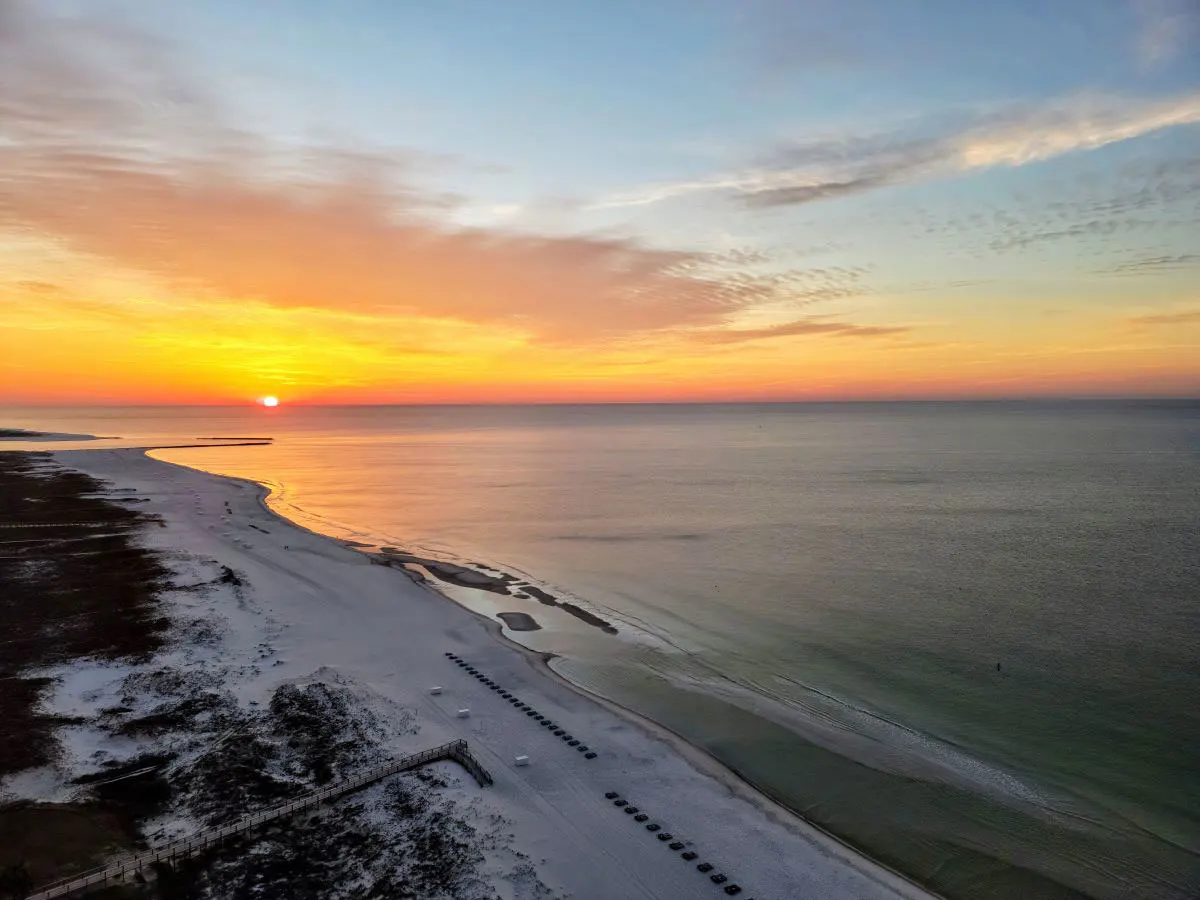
(997, 667)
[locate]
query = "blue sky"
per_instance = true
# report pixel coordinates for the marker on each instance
(581, 97)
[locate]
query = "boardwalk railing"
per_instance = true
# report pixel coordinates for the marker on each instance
(460, 754)
(117, 870)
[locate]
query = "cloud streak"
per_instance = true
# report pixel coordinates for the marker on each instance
(824, 169)
(1185, 317)
(811, 325)
(1152, 265)
(1167, 29)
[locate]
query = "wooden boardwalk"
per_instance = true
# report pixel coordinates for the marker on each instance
(455, 751)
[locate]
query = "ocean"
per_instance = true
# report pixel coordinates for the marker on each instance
(963, 637)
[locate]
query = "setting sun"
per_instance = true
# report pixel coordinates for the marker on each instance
(269, 401)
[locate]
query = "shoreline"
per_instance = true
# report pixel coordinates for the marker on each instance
(697, 757)
(338, 611)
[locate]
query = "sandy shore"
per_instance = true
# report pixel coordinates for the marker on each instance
(326, 607)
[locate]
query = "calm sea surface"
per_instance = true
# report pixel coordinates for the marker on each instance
(965, 637)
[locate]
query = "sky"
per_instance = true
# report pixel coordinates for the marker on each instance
(390, 201)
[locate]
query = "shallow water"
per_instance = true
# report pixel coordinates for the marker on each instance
(829, 589)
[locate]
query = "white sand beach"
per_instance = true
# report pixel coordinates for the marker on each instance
(310, 606)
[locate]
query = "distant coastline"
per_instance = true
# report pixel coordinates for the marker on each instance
(23, 434)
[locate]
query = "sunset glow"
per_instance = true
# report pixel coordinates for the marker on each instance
(192, 211)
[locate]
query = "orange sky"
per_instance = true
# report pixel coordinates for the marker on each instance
(158, 246)
(120, 340)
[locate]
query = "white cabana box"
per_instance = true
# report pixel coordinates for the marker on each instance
(463, 713)
(521, 761)
(436, 689)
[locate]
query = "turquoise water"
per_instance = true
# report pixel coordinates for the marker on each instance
(820, 595)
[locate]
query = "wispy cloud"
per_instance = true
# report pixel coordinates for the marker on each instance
(1016, 238)
(812, 325)
(1151, 265)
(1182, 317)
(1147, 204)
(823, 169)
(786, 35)
(1168, 28)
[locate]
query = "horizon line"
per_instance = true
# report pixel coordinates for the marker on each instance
(1038, 398)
